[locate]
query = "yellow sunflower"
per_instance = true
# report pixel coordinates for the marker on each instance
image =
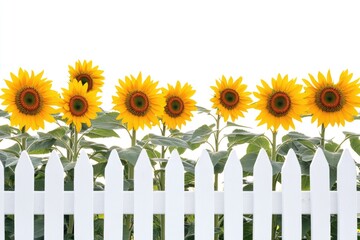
(230, 98)
(331, 103)
(139, 102)
(280, 103)
(178, 105)
(78, 105)
(86, 73)
(29, 99)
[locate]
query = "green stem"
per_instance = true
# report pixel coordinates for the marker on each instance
(129, 218)
(275, 178)
(71, 224)
(322, 135)
(75, 145)
(162, 181)
(70, 153)
(216, 183)
(23, 139)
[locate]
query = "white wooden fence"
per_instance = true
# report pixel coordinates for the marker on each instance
(143, 202)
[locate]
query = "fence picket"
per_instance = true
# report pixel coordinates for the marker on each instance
(262, 191)
(174, 198)
(143, 198)
(2, 202)
(291, 198)
(83, 198)
(24, 198)
(320, 197)
(233, 198)
(204, 198)
(54, 199)
(113, 208)
(347, 198)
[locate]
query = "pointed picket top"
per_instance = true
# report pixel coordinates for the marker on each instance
(204, 163)
(83, 160)
(2, 229)
(347, 197)
(54, 163)
(320, 196)
(291, 162)
(233, 198)
(174, 198)
(143, 198)
(114, 161)
(204, 197)
(113, 198)
(262, 190)
(54, 192)
(291, 197)
(24, 189)
(143, 161)
(174, 161)
(232, 162)
(24, 163)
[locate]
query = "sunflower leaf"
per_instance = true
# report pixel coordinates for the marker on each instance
(107, 120)
(167, 141)
(101, 133)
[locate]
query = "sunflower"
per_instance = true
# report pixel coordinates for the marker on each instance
(78, 105)
(29, 99)
(139, 102)
(230, 98)
(178, 105)
(280, 103)
(86, 73)
(331, 103)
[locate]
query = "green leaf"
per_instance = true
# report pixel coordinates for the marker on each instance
(101, 133)
(203, 110)
(257, 144)
(202, 134)
(59, 132)
(355, 144)
(248, 161)
(231, 124)
(240, 136)
(219, 160)
(40, 145)
(107, 120)
(167, 141)
(130, 154)
(4, 114)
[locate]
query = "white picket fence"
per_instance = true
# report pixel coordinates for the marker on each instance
(143, 202)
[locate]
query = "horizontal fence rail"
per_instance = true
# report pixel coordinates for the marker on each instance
(174, 202)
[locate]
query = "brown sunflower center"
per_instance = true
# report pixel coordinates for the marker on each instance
(137, 103)
(28, 101)
(174, 106)
(78, 106)
(229, 98)
(85, 78)
(329, 99)
(279, 104)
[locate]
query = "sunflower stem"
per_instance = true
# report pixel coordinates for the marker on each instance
(129, 218)
(75, 145)
(216, 181)
(322, 135)
(275, 178)
(162, 180)
(23, 139)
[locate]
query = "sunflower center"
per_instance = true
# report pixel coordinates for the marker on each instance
(229, 98)
(28, 101)
(85, 78)
(137, 103)
(329, 99)
(78, 106)
(279, 104)
(174, 106)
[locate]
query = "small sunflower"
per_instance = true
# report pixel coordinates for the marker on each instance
(331, 103)
(78, 105)
(139, 102)
(231, 98)
(86, 73)
(178, 105)
(280, 103)
(29, 99)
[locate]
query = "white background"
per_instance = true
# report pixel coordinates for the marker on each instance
(190, 41)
